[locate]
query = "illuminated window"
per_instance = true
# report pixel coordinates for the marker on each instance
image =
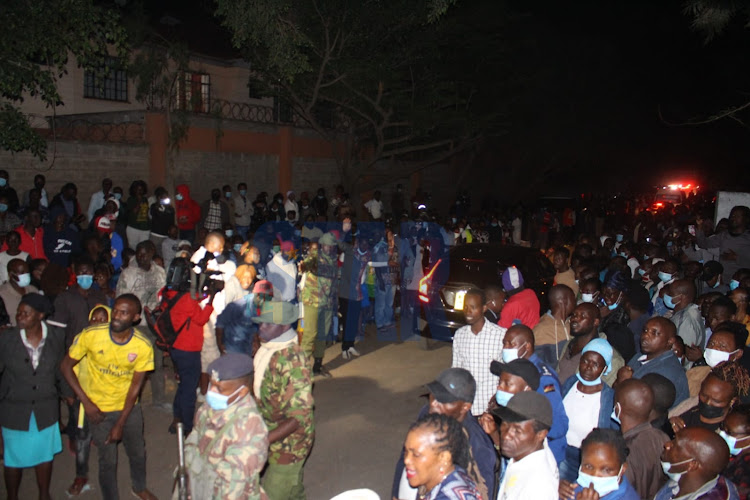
(194, 92)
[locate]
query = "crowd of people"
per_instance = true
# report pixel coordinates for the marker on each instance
(636, 373)
(634, 384)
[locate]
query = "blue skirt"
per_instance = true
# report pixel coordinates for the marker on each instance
(33, 447)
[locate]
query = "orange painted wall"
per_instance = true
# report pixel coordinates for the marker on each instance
(285, 145)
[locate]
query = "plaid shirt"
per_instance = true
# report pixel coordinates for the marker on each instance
(213, 217)
(475, 353)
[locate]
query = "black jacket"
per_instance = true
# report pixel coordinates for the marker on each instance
(23, 389)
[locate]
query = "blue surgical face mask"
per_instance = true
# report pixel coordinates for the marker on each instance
(85, 281)
(237, 247)
(118, 196)
(228, 194)
(669, 301)
(513, 354)
(732, 443)
(229, 233)
(734, 285)
(3, 207)
(602, 485)
(674, 476)
(623, 255)
(596, 381)
(619, 238)
(503, 397)
(178, 197)
(219, 401)
(276, 249)
(664, 276)
(24, 280)
(641, 271)
(616, 414)
(3, 182)
(243, 192)
(616, 303)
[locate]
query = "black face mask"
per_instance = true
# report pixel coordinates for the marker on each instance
(709, 411)
(215, 197)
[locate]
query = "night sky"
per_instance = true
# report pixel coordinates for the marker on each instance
(594, 76)
(612, 67)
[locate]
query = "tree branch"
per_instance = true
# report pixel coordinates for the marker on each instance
(727, 113)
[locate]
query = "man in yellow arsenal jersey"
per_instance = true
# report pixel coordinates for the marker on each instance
(118, 358)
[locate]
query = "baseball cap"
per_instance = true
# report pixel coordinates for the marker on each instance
(453, 384)
(527, 405)
(263, 286)
(103, 224)
(519, 367)
(711, 269)
(512, 278)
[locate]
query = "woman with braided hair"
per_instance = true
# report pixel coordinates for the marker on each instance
(436, 454)
(720, 391)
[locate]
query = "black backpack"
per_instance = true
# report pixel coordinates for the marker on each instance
(160, 322)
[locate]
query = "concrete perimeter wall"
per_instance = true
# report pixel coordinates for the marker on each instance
(85, 164)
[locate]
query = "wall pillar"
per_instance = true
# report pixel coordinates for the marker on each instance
(285, 159)
(156, 136)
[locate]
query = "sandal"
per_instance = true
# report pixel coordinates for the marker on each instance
(78, 484)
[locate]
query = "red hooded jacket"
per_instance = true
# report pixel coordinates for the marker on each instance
(191, 337)
(188, 210)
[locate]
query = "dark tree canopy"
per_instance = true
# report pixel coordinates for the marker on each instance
(379, 77)
(36, 41)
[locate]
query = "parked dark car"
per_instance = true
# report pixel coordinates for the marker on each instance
(477, 265)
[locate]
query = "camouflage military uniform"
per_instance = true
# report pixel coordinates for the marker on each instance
(286, 392)
(318, 297)
(226, 452)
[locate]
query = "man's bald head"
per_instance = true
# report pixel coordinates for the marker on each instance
(666, 326)
(591, 309)
(562, 299)
(708, 448)
(686, 288)
(521, 332)
(636, 399)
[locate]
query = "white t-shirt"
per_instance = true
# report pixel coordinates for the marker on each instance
(586, 409)
(5, 257)
(535, 477)
(375, 208)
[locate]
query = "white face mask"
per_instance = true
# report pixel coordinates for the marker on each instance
(602, 485)
(587, 297)
(513, 354)
(713, 357)
(674, 476)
